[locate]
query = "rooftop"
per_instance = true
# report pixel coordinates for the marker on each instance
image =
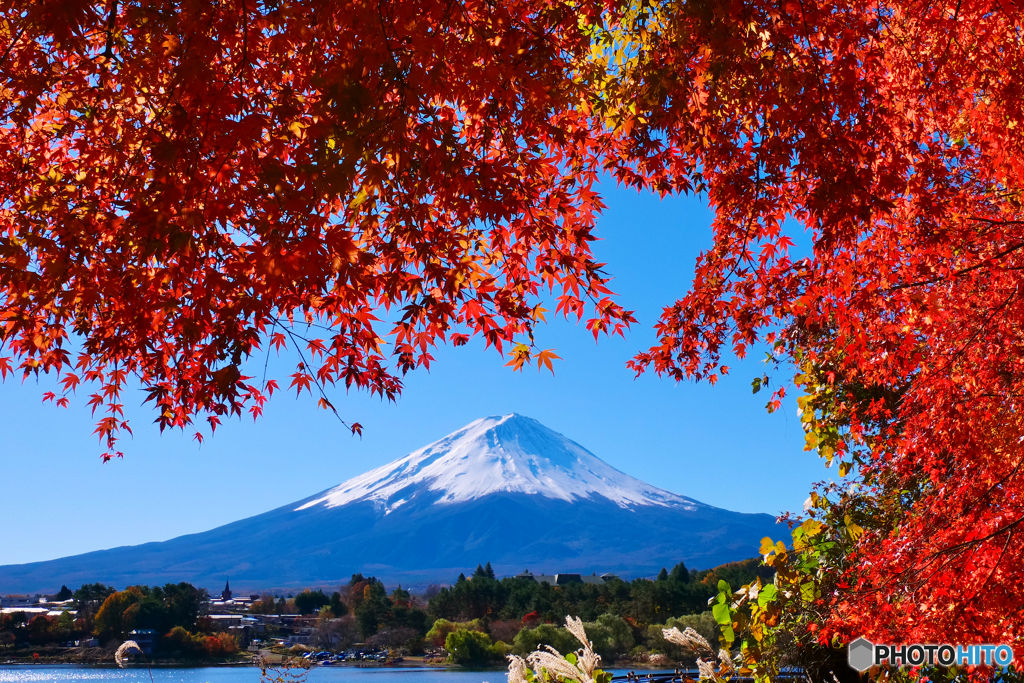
(562, 579)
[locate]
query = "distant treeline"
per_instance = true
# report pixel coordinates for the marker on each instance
(483, 618)
(174, 611)
(642, 601)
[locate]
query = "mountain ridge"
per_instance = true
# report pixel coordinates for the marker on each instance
(573, 513)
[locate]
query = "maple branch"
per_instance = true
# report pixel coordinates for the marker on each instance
(266, 361)
(958, 547)
(400, 78)
(994, 486)
(945, 52)
(977, 333)
(111, 23)
(995, 221)
(316, 380)
(10, 47)
(984, 584)
(245, 35)
(951, 553)
(815, 57)
(952, 550)
(976, 266)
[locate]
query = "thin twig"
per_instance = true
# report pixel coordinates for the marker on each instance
(976, 266)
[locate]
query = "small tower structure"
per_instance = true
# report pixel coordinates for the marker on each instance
(226, 595)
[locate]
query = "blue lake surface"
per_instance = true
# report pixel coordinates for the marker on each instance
(30, 673)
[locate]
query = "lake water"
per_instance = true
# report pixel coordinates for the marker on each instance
(242, 674)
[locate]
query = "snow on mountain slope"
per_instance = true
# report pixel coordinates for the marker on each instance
(510, 454)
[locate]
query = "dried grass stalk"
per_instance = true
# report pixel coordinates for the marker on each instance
(127, 647)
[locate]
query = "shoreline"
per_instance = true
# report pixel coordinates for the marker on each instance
(108, 663)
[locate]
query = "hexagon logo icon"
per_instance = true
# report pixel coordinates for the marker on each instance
(861, 654)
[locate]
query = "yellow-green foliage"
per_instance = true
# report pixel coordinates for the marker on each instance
(438, 633)
(472, 647)
(529, 639)
(611, 635)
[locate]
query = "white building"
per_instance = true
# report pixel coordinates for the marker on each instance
(29, 612)
(21, 600)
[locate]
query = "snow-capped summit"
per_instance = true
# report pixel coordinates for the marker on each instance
(498, 454)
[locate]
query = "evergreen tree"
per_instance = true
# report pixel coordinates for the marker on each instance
(663, 575)
(400, 596)
(375, 610)
(679, 573)
(337, 607)
(90, 596)
(488, 571)
(479, 573)
(309, 601)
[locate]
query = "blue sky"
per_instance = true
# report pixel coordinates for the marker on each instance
(716, 444)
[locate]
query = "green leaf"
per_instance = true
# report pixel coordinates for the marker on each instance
(722, 614)
(767, 594)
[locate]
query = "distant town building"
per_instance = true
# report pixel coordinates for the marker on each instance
(58, 612)
(301, 636)
(564, 579)
(21, 600)
(29, 612)
(245, 633)
(227, 602)
(222, 621)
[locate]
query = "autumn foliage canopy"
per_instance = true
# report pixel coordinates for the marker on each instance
(187, 183)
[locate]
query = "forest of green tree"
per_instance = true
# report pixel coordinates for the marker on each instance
(674, 592)
(482, 618)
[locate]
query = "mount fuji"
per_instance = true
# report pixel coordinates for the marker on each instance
(503, 489)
